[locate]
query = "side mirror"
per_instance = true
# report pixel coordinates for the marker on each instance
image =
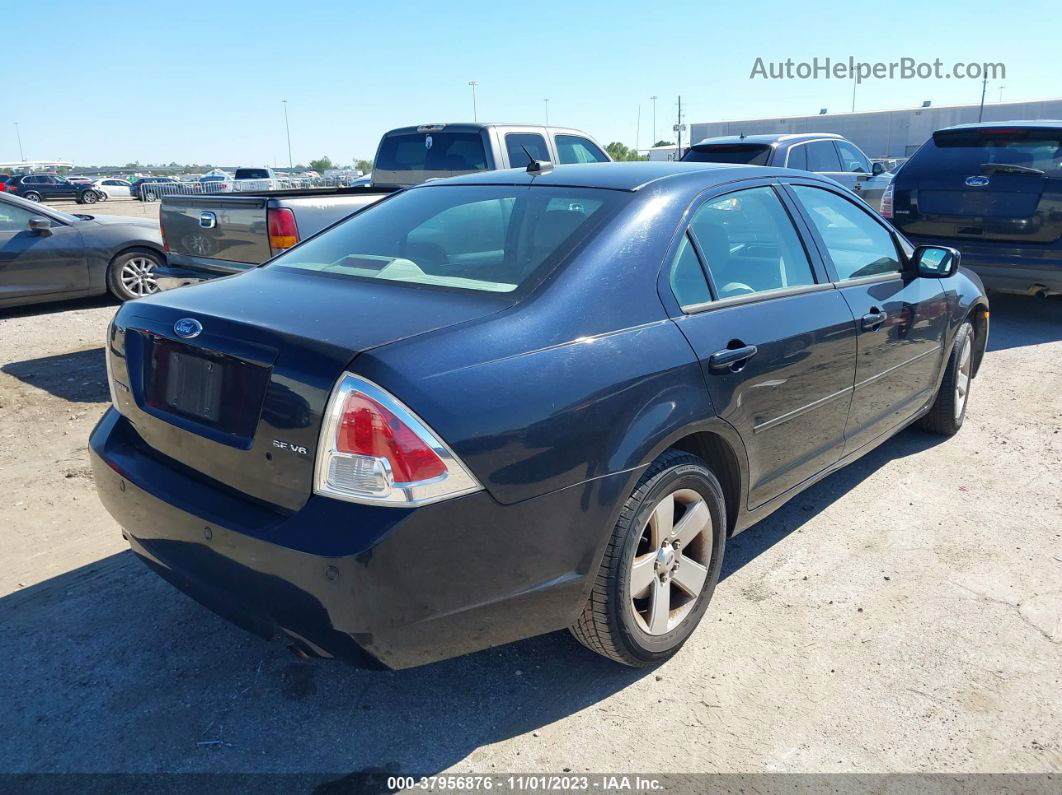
(936, 262)
(40, 226)
(877, 168)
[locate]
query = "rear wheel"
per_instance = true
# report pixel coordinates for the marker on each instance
(661, 564)
(949, 408)
(132, 274)
(32, 196)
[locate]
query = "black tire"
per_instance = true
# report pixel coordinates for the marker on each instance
(947, 412)
(608, 624)
(115, 281)
(88, 197)
(31, 196)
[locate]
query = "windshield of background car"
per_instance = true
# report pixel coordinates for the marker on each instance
(489, 238)
(967, 152)
(749, 154)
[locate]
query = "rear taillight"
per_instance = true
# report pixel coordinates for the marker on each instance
(374, 450)
(283, 232)
(886, 201)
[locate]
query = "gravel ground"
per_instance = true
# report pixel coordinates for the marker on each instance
(110, 207)
(903, 615)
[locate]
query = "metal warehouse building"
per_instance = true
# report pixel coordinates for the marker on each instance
(883, 133)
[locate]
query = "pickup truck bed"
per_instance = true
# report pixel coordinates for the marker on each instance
(221, 234)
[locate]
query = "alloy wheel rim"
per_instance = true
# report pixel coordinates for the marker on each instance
(670, 565)
(138, 276)
(962, 379)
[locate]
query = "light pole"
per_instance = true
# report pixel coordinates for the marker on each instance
(655, 139)
(1001, 93)
(287, 129)
(474, 83)
(546, 100)
(984, 88)
(19, 136)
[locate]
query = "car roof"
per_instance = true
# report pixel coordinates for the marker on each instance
(766, 138)
(992, 125)
(627, 176)
(476, 126)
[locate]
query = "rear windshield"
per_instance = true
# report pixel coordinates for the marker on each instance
(490, 238)
(969, 152)
(252, 173)
(415, 157)
(749, 154)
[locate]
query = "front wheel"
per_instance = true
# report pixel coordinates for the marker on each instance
(132, 274)
(661, 564)
(31, 196)
(89, 197)
(949, 408)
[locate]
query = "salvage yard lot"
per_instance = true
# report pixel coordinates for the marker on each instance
(903, 615)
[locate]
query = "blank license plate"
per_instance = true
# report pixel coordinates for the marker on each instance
(193, 386)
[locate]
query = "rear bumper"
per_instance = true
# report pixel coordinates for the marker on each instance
(182, 271)
(1006, 267)
(366, 584)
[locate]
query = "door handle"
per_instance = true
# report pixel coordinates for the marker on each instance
(872, 321)
(728, 357)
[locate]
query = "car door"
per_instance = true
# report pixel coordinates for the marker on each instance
(901, 318)
(868, 186)
(775, 339)
(36, 264)
(577, 149)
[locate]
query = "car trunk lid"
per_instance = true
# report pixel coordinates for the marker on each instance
(240, 400)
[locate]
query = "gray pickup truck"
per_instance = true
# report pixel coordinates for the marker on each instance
(212, 235)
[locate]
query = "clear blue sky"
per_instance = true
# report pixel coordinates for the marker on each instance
(113, 81)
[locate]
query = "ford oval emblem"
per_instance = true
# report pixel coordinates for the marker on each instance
(977, 182)
(187, 327)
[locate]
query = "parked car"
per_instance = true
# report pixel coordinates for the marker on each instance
(411, 155)
(49, 255)
(891, 164)
(823, 153)
(45, 187)
(79, 180)
(3, 182)
(113, 188)
(481, 410)
(141, 188)
(993, 191)
(215, 183)
(255, 179)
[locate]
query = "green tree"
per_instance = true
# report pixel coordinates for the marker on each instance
(619, 151)
(321, 164)
(364, 166)
(664, 143)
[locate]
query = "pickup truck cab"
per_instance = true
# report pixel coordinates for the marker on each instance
(221, 235)
(412, 155)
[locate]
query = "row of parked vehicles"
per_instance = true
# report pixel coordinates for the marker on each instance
(510, 388)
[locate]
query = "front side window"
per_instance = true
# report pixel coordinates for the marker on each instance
(576, 149)
(688, 282)
(750, 244)
(857, 244)
(851, 158)
(822, 156)
(14, 219)
(515, 143)
(488, 238)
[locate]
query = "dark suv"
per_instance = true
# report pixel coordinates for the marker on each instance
(824, 153)
(993, 191)
(41, 187)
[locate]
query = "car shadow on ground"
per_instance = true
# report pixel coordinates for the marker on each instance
(1019, 320)
(78, 377)
(110, 651)
(55, 307)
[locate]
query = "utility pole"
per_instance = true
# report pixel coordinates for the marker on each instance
(475, 113)
(1001, 93)
(854, 84)
(654, 99)
(287, 129)
(679, 127)
(19, 136)
(546, 100)
(981, 110)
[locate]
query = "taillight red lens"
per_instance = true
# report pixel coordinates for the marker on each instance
(886, 202)
(283, 232)
(368, 428)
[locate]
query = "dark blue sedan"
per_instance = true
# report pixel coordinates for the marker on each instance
(505, 404)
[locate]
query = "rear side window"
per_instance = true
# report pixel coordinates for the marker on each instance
(435, 151)
(798, 158)
(576, 149)
(858, 245)
(972, 152)
(488, 238)
(750, 244)
(515, 143)
(688, 282)
(748, 154)
(822, 156)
